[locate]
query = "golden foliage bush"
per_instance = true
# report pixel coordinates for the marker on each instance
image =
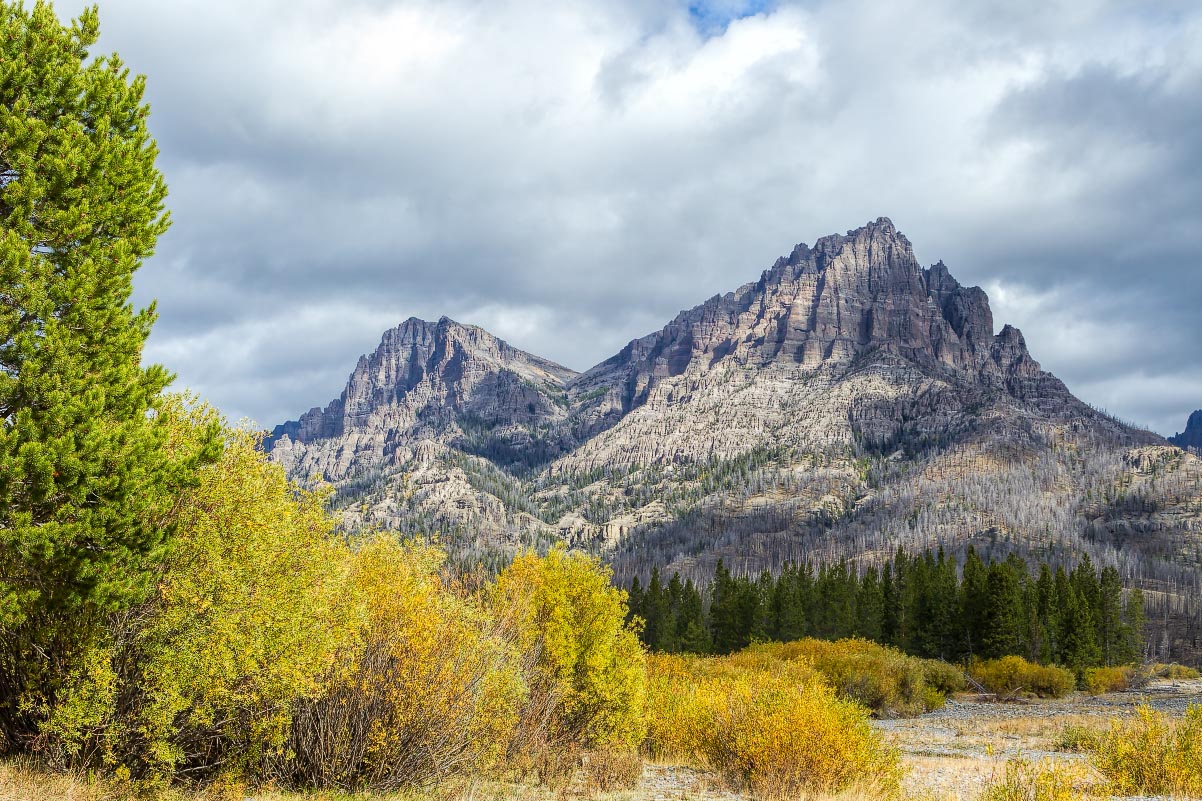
(1149, 755)
(268, 649)
(1026, 781)
(881, 678)
(770, 726)
(1012, 674)
(584, 667)
(1110, 679)
(1176, 672)
(245, 617)
(431, 688)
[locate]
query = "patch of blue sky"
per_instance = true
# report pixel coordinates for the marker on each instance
(711, 17)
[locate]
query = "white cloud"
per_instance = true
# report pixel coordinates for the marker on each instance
(574, 173)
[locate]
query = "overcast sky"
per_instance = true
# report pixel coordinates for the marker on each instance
(570, 175)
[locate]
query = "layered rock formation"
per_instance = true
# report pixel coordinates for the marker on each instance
(442, 382)
(1192, 436)
(847, 402)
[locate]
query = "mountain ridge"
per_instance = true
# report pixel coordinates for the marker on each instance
(847, 402)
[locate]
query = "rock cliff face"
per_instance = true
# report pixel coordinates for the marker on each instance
(849, 341)
(1192, 436)
(847, 402)
(443, 382)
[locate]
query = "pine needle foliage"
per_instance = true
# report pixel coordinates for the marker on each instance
(85, 479)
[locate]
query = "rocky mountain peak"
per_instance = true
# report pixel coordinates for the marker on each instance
(424, 379)
(1191, 437)
(851, 296)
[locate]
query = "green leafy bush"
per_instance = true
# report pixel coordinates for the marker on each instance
(584, 667)
(246, 616)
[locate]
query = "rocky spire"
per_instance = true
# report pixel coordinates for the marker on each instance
(1192, 436)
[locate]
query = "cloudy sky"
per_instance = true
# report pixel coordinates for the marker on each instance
(569, 175)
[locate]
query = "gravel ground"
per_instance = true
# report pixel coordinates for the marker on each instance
(953, 752)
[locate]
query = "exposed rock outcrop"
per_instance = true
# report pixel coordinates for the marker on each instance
(848, 401)
(1191, 437)
(440, 381)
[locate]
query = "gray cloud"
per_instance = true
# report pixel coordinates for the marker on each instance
(569, 175)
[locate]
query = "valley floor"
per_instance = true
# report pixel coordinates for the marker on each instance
(951, 754)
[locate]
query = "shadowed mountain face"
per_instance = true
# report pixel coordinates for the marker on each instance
(848, 402)
(1192, 436)
(436, 381)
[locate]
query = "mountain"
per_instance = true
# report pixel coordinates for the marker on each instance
(848, 402)
(1192, 436)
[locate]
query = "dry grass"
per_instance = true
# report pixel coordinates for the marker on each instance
(1033, 731)
(23, 781)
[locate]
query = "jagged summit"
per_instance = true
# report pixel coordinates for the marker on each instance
(756, 411)
(862, 295)
(422, 381)
(1191, 437)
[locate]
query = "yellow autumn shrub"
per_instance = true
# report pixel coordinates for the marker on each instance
(881, 678)
(584, 667)
(1013, 674)
(769, 726)
(1149, 755)
(1175, 672)
(432, 688)
(245, 617)
(1110, 679)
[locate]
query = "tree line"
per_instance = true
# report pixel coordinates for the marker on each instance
(927, 604)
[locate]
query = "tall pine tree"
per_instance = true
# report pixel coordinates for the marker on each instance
(84, 474)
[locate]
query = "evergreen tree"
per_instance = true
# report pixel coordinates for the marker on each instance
(1134, 622)
(84, 475)
(1079, 635)
(870, 605)
(724, 612)
(658, 626)
(1109, 613)
(1004, 618)
(890, 612)
(692, 634)
(634, 604)
(1047, 606)
(671, 638)
(974, 593)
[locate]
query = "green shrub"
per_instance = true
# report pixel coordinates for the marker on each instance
(585, 668)
(1076, 738)
(1148, 755)
(1013, 674)
(944, 678)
